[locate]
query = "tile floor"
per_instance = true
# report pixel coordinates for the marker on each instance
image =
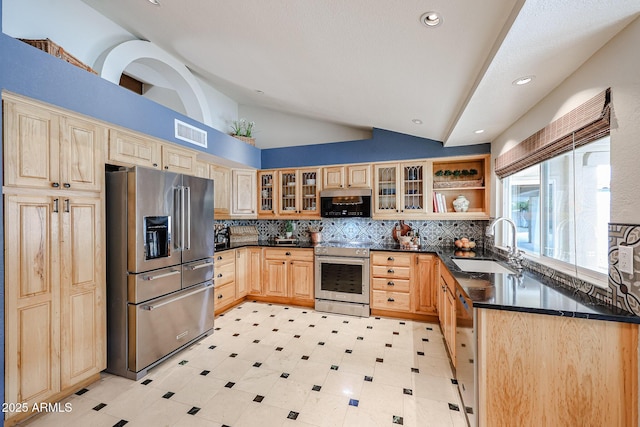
(271, 365)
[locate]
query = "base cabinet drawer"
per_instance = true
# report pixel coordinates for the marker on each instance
(224, 295)
(391, 259)
(391, 272)
(393, 285)
(225, 274)
(396, 301)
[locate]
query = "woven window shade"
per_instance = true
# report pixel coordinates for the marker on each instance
(584, 124)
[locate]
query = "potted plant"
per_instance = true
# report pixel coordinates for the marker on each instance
(243, 130)
(288, 228)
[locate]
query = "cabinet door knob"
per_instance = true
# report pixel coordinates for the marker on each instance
(391, 258)
(219, 296)
(390, 271)
(219, 275)
(155, 165)
(390, 283)
(219, 257)
(55, 185)
(66, 185)
(166, 167)
(390, 300)
(288, 254)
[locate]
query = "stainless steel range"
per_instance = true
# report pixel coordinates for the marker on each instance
(342, 278)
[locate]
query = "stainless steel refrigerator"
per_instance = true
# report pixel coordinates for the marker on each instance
(160, 245)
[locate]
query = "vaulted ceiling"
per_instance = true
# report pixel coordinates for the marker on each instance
(373, 63)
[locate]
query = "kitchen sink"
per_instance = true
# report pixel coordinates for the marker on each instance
(481, 266)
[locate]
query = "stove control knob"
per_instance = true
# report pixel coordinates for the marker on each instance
(357, 251)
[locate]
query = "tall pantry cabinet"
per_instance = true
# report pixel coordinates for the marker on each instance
(55, 318)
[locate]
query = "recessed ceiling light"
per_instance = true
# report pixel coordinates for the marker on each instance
(431, 19)
(479, 131)
(155, 2)
(417, 121)
(523, 80)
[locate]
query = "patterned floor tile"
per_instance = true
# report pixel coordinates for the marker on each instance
(264, 366)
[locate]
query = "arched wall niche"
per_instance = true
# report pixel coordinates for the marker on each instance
(172, 71)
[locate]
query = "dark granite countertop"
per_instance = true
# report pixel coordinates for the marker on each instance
(527, 292)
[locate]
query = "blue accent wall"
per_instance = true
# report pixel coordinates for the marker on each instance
(384, 145)
(28, 71)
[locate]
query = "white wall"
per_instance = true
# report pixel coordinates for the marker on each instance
(616, 65)
(86, 34)
(275, 129)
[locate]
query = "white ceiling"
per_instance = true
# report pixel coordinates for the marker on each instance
(371, 63)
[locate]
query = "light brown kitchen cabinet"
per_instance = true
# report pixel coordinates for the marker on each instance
(349, 176)
(267, 193)
(426, 284)
(243, 193)
(129, 149)
(243, 272)
(401, 189)
(447, 311)
(274, 279)
(298, 192)
(201, 169)
(254, 271)
(288, 274)
(179, 160)
(221, 191)
(567, 371)
(47, 149)
(224, 279)
(55, 306)
(391, 277)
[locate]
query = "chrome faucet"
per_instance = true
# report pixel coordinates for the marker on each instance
(515, 254)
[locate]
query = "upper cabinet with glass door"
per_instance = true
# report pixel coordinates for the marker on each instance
(400, 189)
(267, 193)
(298, 193)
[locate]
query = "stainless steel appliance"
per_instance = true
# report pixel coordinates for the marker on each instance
(160, 244)
(348, 202)
(466, 354)
(342, 278)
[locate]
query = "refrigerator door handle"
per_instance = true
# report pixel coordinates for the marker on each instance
(155, 306)
(188, 215)
(178, 219)
(149, 277)
(182, 215)
(199, 266)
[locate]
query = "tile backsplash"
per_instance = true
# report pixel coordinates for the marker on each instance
(623, 291)
(432, 233)
(625, 287)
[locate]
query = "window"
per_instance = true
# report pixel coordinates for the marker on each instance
(561, 208)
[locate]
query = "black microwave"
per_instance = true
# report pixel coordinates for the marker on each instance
(345, 203)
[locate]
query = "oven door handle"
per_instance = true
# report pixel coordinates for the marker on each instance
(199, 266)
(155, 306)
(342, 260)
